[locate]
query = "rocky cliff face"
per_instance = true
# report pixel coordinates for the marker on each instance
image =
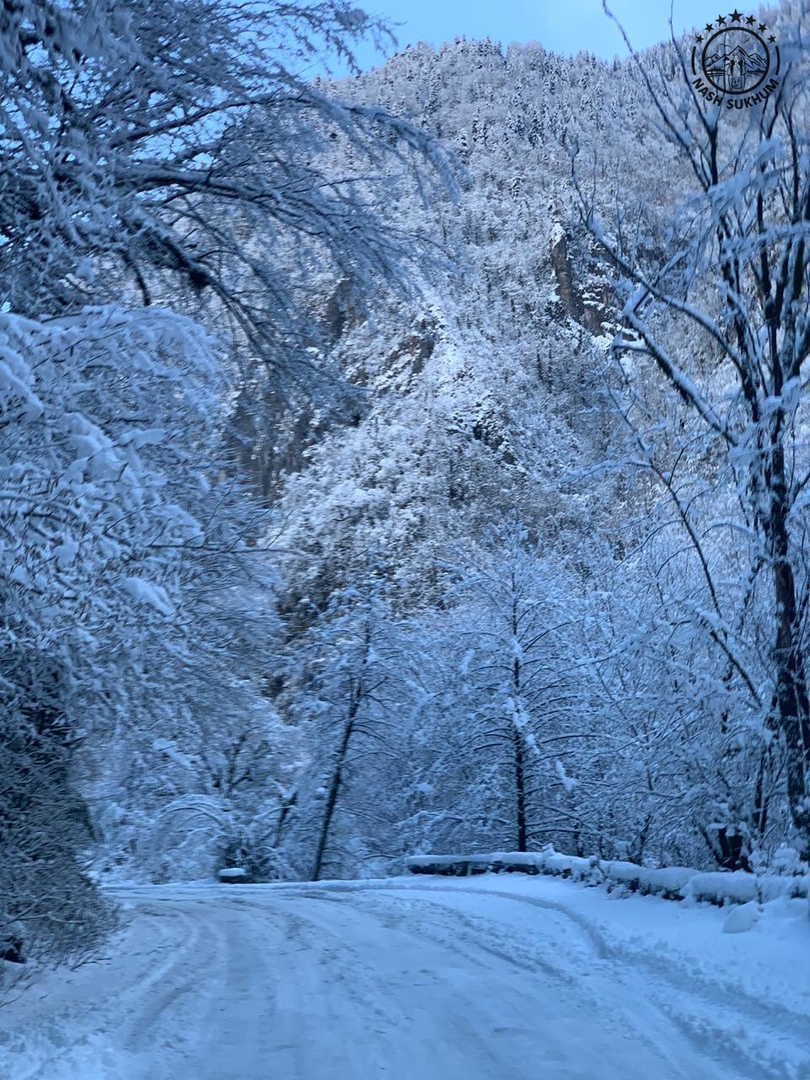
(483, 395)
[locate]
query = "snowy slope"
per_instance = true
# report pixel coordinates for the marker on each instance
(490, 978)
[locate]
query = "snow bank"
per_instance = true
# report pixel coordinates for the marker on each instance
(671, 882)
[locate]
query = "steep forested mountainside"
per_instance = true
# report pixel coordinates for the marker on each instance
(484, 397)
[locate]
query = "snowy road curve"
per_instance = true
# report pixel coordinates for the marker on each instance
(397, 981)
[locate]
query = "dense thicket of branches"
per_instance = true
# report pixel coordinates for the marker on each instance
(174, 144)
(734, 284)
(169, 153)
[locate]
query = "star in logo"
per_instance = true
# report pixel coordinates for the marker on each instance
(762, 28)
(721, 20)
(750, 20)
(709, 27)
(772, 39)
(735, 16)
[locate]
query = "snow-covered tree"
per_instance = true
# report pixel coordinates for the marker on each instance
(357, 689)
(724, 316)
(176, 145)
(105, 416)
(685, 770)
(523, 687)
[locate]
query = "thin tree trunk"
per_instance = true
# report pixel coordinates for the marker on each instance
(335, 783)
(287, 805)
(792, 698)
(520, 790)
(519, 741)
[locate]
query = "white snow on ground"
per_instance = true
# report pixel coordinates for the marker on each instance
(486, 978)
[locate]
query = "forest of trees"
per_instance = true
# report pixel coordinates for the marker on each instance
(411, 463)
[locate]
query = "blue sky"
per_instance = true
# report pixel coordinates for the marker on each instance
(566, 26)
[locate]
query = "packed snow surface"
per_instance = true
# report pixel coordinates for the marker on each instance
(491, 978)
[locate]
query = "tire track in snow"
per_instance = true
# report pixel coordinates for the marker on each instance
(354, 982)
(381, 1000)
(722, 1020)
(470, 938)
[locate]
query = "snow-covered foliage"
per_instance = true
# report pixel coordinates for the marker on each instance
(94, 472)
(722, 311)
(166, 152)
(164, 147)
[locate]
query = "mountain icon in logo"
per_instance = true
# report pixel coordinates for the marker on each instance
(738, 59)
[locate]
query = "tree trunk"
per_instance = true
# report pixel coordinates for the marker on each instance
(335, 783)
(793, 701)
(519, 742)
(792, 698)
(520, 790)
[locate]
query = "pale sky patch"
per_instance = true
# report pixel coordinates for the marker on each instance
(563, 26)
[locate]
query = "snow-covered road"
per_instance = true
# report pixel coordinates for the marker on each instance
(411, 980)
